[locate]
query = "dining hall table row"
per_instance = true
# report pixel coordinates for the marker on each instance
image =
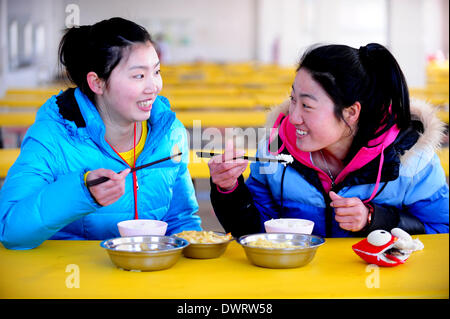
(82, 269)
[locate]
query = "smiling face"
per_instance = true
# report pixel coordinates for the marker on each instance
(312, 113)
(132, 87)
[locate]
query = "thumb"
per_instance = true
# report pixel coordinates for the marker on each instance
(334, 196)
(124, 173)
(121, 175)
(229, 150)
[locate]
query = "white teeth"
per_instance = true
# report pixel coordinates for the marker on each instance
(145, 103)
(301, 132)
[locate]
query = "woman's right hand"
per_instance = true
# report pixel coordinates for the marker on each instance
(223, 170)
(110, 191)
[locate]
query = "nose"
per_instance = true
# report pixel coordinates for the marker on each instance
(151, 86)
(295, 114)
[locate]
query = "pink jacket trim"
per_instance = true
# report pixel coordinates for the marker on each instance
(227, 192)
(364, 155)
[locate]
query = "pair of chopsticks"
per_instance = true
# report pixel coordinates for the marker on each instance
(250, 158)
(134, 169)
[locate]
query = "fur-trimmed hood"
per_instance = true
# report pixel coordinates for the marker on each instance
(429, 141)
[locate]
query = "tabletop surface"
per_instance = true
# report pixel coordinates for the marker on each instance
(82, 269)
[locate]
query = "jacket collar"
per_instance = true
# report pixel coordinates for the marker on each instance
(76, 108)
(379, 162)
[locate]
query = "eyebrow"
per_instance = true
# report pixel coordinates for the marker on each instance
(312, 97)
(142, 66)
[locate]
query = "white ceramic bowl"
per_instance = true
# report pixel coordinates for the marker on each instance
(142, 227)
(289, 225)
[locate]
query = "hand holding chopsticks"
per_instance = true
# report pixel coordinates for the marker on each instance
(111, 192)
(103, 179)
(223, 170)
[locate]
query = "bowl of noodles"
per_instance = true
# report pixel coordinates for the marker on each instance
(205, 244)
(280, 250)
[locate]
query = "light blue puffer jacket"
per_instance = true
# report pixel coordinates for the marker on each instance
(44, 196)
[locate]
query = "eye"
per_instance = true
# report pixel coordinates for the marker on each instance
(292, 99)
(379, 237)
(138, 76)
(158, 72)
(305, 106)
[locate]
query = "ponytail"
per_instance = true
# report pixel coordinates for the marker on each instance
(387, 86)
(98, 48)
(73, 55)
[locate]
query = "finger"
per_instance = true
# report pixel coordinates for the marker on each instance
(348, 226)
(230, 152)
(101, 172)
(334, 196)
(345, 218)
(345, 202)
(109, 196)
(232, 173)
(121, 176)
(346, 211)
(225, 167)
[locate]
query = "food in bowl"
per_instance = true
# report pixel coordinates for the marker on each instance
(289, 225)
(205, 244)
(299, 251)
(142, 227)
(204, 237)
(144, 253)
(270, 244)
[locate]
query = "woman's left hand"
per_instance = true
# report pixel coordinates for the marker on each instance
(350, 213)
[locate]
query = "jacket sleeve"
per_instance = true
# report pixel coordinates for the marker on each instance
(245, 210)
(183, 205)
(427, 198)
(236, 211)
(425, 206)
(35, 203)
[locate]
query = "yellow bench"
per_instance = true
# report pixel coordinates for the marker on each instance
(23, 119)
(198, 167)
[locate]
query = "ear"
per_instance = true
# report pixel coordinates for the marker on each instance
(95, 83)
(351, 113)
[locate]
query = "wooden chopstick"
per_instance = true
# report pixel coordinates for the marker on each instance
(250, 158)
(134, 169)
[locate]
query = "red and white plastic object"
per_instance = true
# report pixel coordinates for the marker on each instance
(387, 249)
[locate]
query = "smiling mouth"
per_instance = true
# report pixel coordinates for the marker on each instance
(145, 105)
(300, 132)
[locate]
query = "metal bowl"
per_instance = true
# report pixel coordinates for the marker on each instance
(281, 257)
(206, 250)
(144, 253)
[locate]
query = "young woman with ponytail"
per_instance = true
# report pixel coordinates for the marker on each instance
(364, 158)
(111, 121)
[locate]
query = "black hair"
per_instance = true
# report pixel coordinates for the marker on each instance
(98, 48)
(369, 75)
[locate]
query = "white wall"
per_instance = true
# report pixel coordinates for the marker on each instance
(214, 30)
(49, 14)
(243, 30)
(301, 23)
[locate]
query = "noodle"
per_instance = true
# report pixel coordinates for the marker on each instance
(203, 237)
(264, 243)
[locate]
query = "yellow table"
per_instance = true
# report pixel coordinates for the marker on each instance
(82, 269)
